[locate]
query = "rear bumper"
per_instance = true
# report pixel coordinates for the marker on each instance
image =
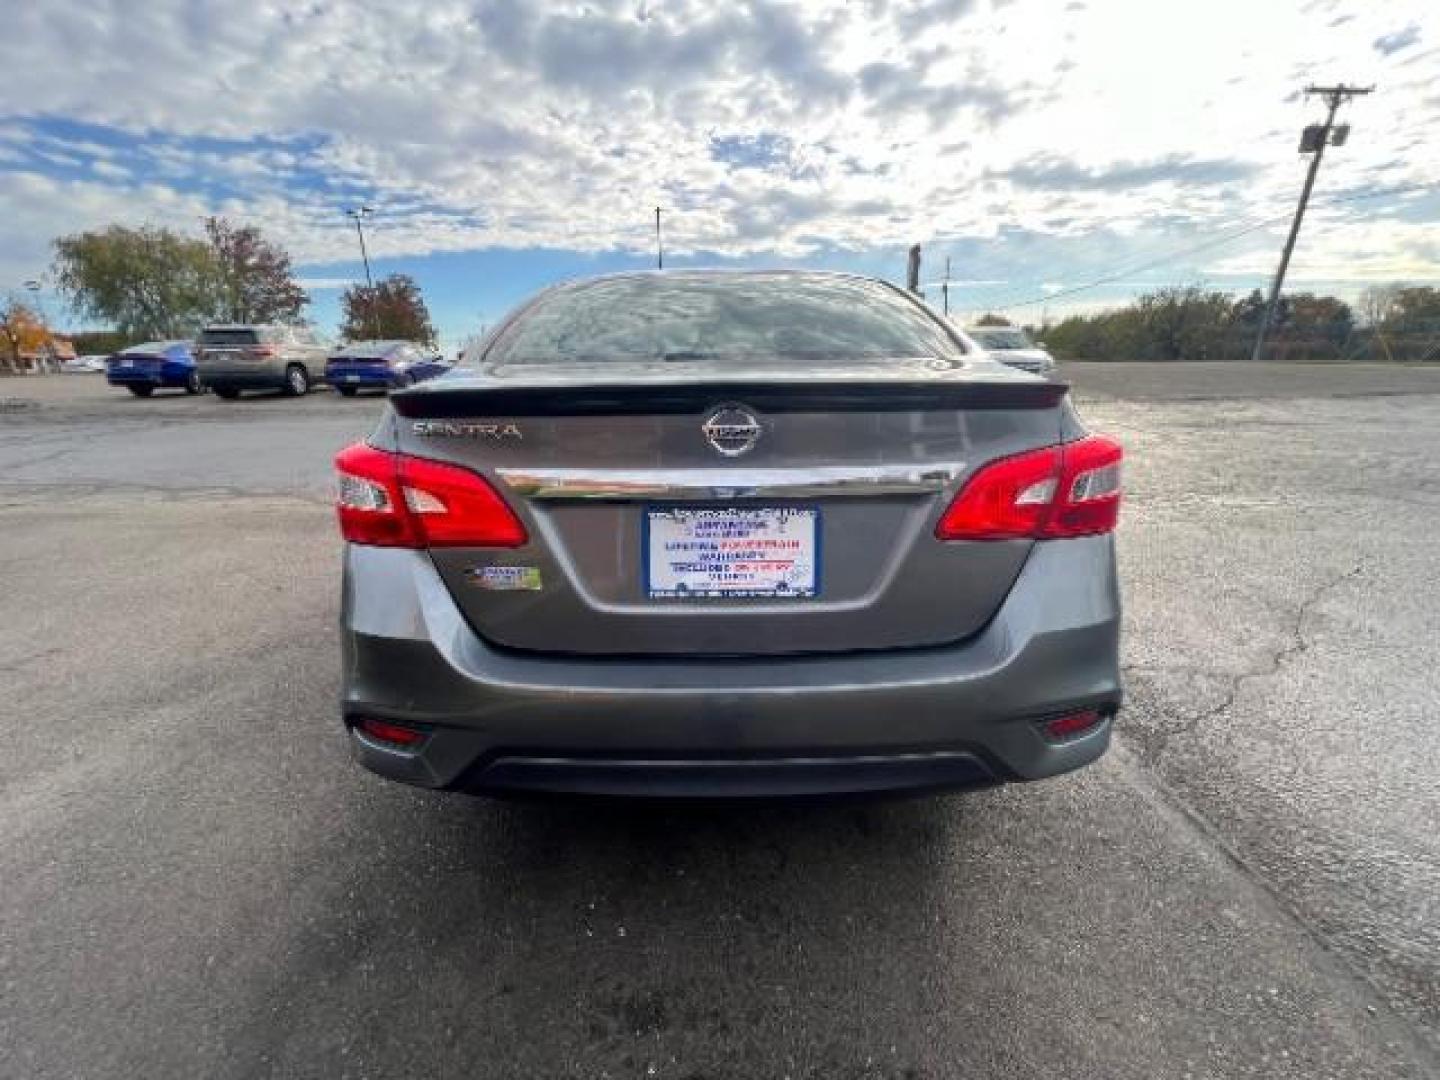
(141, 378)
(249, 379)
(361, 377)
(897, 720)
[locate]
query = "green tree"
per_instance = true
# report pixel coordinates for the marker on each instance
(256, 280)
(991, 319)
(393, 309)
(1416, 307)
(1183, 322)
(146, 282)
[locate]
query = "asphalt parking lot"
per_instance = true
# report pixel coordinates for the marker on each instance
(197, 882)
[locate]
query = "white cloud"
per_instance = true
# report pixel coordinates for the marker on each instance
(317, 284)
(765, 128)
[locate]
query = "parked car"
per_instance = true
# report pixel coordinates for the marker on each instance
(1011, 345)
(235, 357)
(729, 533)
(154, 365)
(84, 365)
(380, 365)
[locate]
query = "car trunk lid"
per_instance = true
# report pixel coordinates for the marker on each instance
(654, 531)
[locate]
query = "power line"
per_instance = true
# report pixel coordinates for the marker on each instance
(1253, 225)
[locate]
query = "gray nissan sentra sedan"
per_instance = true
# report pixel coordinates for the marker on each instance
(729, 534)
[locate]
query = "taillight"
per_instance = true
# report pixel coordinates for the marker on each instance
(395, 734)
(1058, 491)
(1069, 725)
(394, 500)
(265, 350)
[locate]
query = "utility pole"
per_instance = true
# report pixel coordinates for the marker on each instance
(912, 270)
(359, 214)
(945, 285)
(659, 243)
(1313, 140)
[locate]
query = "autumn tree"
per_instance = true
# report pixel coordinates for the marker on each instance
(1318, 318)
(146, 282)
(392, 310)
(21, 330)
(256, 282)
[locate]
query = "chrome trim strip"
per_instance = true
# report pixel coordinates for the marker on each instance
(729, 483)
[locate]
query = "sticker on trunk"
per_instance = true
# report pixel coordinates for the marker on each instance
(505, 578)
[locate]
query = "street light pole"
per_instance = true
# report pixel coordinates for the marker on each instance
(33, 286)
(358, 215)
(659, 243)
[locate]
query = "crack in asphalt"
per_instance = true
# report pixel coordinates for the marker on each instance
(1294, 645)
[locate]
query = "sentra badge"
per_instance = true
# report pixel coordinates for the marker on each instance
(466, 429)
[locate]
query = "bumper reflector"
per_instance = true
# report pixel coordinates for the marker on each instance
(1071, 724)
(386, 732)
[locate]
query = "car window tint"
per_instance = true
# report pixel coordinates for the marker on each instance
(229, 337)
(1002, 339)
(746, 316)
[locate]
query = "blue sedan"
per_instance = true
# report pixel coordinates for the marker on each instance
(155, 365)
(380, 365)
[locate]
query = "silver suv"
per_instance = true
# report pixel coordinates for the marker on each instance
(233, 357)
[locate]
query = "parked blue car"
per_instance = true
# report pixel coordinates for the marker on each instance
(155, 365)
(380, 365)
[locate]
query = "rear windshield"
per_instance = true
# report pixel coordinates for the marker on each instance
(747, 317)
(229, 337)
(371, 348)
(147, 347)
(1002, 339)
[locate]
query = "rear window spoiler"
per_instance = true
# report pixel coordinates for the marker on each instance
(434, 401)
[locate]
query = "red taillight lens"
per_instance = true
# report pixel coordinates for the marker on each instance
(265, 350)
(456, 508)
(1071, 724)
(1057, 491)
(1089, 500)
(394, 500)
(395, 734)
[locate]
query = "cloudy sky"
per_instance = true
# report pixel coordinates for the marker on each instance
(1041, 145)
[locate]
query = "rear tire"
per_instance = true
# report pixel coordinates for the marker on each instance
(229, 393)
(297, 381)
(141, 391)
(346, 391)
(193, 385)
